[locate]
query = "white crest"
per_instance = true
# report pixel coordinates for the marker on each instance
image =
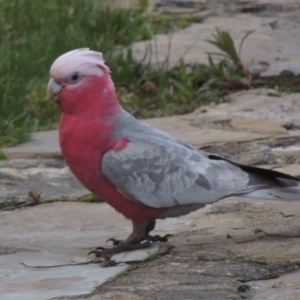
(82, 60)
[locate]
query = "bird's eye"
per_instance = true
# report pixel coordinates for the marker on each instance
(74, 78)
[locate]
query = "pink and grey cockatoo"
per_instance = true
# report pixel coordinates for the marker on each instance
(144, 173)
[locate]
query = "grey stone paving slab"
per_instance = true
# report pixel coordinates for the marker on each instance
(50, 279)
(64, 225)
(264, 104)
(42, 144)
(258, 110)
(49, 177)
(275, 45)
(286, 287)
(254, 125)
(52, 241)
(61, 225)
(277, 68)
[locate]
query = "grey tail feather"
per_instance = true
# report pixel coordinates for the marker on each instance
(272, 185)
(283, 194)
(269, 184)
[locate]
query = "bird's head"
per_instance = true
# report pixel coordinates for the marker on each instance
(80, 83)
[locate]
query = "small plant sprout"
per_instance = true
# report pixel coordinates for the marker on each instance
(35, 197)
(230, 70)
(152, 256)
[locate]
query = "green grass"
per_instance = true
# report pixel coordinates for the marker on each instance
(5, 205)
(152, 257)
(34, 33)
(2, 155)
(90, 198)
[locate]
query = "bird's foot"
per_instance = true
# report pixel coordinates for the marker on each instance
(157, 238)
(139, 239)
(120, 247)
(148, 237)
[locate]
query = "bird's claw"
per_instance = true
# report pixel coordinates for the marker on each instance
(114, 241)
(98, 249)
(101, 252)
(158, 238)
(108, 253)
(149, 238)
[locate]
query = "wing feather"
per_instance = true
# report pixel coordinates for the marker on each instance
(163, 173)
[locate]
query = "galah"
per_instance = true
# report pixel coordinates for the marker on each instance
(142, 172)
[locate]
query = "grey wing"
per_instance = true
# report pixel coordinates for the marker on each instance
(163, 173)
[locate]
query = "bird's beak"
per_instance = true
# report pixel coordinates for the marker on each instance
(53, 89)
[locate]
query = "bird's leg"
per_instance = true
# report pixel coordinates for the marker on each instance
(132, 238)
(147, 237)
(133, 242)
(139, 234)
(155, 238)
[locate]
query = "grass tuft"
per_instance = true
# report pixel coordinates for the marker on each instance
(152, 257)
(2, 155)
(90, 198)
